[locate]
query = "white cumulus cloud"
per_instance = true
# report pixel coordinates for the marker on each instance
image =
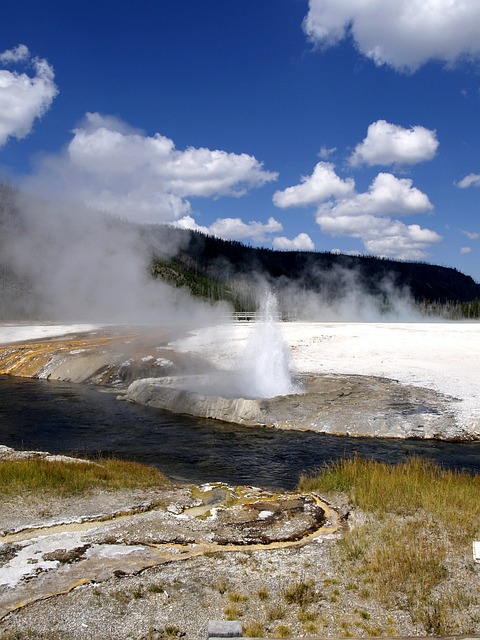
(326, 152)
(381, 236)
(472, 180)
(236, 229)
(367, 216)
(111, 167)
(324, 183)
(23, 97)
(404, 34)
(19, 54)
(302, 242)
(388, 144)
(387, 195)
(233, 228)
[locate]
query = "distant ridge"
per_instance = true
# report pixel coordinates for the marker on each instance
(53, 257)
(223, 262)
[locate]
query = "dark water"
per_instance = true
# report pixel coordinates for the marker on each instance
(66, 418)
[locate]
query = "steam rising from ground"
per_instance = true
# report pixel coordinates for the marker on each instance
(76, 265)
(336, 294)
(343, 297)
(67, 263)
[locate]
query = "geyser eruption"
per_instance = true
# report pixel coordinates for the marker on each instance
(265, 368)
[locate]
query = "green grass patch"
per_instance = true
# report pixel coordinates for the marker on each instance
(65, 478)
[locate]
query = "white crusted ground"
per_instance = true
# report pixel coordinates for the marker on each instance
(442, 356)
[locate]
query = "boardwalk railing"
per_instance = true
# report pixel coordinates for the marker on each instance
(247, 316)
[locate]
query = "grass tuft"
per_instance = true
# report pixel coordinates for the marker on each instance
(254, 630)
(422, 514)
(300, 593)
(73, 478)
(452, 497)
(282, 631)
(232, 612)
(275, 612)
(263, 594)
(237, 597)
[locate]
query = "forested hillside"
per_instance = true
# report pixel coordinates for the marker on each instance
(57, 257)
(216, 268)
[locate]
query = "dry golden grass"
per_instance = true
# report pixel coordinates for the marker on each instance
(301, 593)
(64, 478)
(421, 520)
(450, 497)
(254, 629)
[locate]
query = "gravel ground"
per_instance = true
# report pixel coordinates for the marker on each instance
(182, 597)
(296, 592)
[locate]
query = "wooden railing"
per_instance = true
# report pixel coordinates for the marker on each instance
(247, 316)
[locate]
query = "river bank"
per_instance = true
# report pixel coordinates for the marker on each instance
(162, 562)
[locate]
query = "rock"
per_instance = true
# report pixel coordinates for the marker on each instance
(224, 629)
(7, 453)
(337, 404)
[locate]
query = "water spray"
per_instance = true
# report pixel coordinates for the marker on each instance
(265, 367)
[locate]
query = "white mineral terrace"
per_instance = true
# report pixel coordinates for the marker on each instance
(443, 356)
(19, 332)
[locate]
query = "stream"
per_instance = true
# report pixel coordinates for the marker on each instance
(84, 420)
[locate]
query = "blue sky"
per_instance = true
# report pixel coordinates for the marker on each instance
(331, 125)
